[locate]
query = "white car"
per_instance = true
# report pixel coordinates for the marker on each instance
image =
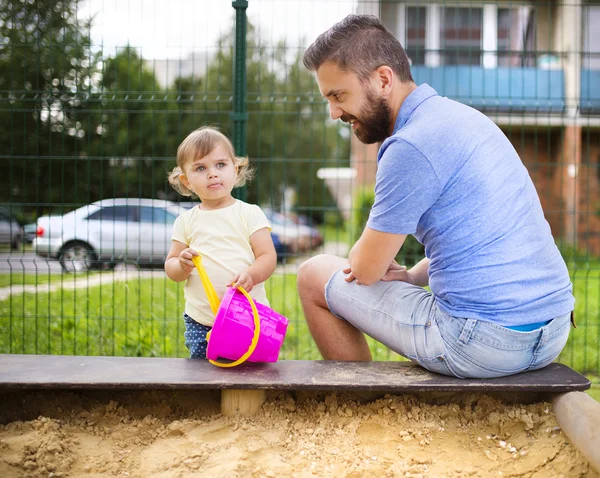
(109, 231)
(297, 237)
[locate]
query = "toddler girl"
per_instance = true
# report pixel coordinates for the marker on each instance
(232, 237)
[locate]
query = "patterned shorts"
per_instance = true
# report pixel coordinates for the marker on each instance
(195, 337)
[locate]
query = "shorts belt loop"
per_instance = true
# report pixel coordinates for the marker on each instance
(467, 330)
(543, 339)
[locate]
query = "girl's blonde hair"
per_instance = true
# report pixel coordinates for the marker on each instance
(198, 144)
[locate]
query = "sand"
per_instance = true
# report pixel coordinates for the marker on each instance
(182, 433)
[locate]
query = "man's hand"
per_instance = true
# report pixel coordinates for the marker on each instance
(185, 259)
(398, 272)
(350, 277)
(395, 272)
(243, 280)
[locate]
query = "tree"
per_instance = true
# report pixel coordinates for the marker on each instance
(289, 136)
(131, 129)
(46, 70)
(83, 128)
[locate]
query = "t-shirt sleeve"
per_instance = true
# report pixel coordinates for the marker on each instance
(179, 231)
(256, 219)
(406, 186)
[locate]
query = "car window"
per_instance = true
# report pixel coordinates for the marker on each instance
(156, 214)
(114, 213)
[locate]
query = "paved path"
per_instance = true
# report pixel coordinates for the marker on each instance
(71, 283)
(126, 273)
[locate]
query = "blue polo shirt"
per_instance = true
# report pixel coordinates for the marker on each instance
(449, 176)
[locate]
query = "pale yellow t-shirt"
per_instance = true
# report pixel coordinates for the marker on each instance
(222, 237)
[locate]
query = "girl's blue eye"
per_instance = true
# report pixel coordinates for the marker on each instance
(200, 168)
(221, 165)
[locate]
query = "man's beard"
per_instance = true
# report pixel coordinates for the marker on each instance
(375, 120)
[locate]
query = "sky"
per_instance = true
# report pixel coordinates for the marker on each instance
(174, 28)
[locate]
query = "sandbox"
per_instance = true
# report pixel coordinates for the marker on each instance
(183, 433)
(93, 430)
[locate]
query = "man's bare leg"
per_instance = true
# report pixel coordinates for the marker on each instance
(335, 338)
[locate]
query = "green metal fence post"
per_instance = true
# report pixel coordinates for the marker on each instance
(239, 115)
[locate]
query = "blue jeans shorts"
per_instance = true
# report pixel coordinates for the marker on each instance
(195, 337)
(406, 318)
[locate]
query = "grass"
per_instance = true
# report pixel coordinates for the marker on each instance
(333, 233)
(594, 392)
(134, 318)
(19, 278)
(582, 351)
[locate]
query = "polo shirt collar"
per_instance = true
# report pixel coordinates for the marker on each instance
(414, 99)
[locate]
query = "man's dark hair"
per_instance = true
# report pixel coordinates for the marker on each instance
(361, 44)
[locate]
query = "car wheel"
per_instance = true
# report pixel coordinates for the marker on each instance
(16, 243)
(77, 257)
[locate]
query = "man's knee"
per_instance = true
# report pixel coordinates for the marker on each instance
(314, 274)
(308, 273)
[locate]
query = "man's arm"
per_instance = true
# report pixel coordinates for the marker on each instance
(372, 255)
(417, 275)
(420, 272)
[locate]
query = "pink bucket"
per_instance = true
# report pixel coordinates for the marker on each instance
(233, 330)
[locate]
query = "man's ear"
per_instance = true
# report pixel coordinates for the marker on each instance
(384, 79)
(184, 180)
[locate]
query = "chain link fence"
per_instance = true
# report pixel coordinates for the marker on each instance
(95, 98)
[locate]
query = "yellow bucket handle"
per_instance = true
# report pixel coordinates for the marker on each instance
(213, 298)
(214, 301)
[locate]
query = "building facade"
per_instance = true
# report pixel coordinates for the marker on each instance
(534, 69)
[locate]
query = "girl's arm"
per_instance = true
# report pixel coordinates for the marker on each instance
(264, 264)
(178, 264)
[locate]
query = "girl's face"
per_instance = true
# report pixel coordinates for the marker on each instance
(211, 178)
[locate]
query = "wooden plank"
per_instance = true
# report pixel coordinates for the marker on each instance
(80, 372)
(241, 402)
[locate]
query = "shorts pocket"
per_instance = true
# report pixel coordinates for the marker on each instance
(438, 364)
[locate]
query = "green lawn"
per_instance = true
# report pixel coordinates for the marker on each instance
(18, 278)
(134, 318)
(336, 233)
(582, 351)
(594, 392)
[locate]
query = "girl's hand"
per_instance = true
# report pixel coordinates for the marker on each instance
(185, 259)
(243, 280)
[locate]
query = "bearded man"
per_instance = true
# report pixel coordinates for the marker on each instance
(500, 296)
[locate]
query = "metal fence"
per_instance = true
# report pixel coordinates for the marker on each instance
(95, 98)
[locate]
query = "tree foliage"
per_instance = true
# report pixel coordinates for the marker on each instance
(76, 127)
(46, 68)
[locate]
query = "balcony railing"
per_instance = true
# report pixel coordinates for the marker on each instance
(502, 89)
(590, 91)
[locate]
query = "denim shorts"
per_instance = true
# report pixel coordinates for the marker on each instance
(406, 318)
(195, 337)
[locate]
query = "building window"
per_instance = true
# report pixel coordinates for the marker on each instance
(461, 31)
(416, 18)
(591, 38)
(482, 34)
(516, 36)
